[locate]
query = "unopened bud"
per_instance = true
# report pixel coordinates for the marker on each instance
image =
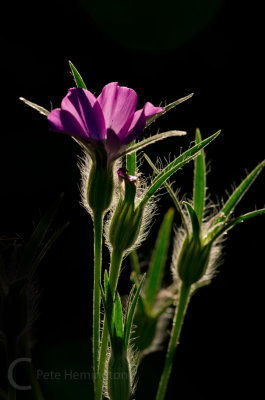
(193, 260)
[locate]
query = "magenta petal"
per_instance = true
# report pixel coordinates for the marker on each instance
(138, 122)
(84, 106)
(118, 104)
(64, 121)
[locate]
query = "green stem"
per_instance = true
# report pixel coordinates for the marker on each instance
(175, 333)
(98, 227)
(116, 259)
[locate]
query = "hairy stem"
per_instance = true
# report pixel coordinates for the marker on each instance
(98, 222)
(175, 333)
(116, 259)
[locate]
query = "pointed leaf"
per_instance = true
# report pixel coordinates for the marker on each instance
(135, 262)
(41, 109)
(236, 221)
(179, 162)
(194, 220)
(77, 77)
(35, 242)
(131, 161)
(167, 108)
(109, 308)
(199, 187)
(152, 139)
(239, 192)
(118, 317)
(130, 314)
(158, 261)
(171, 193)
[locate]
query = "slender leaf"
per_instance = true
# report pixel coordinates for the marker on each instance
(167, 108)
(131, 161)
(130, 314)
(135, 262)
(77, 77)
(108, 305)
(179, 162)
(239, 192)
(41, 109)
(172, 195)
(158, 261)
(236, 221)
(34, 245)
(199, 187)
(152, 139)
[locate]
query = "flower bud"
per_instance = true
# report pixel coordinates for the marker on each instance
(126, 221)
(100, 183)
(119, 380)
(193, 260)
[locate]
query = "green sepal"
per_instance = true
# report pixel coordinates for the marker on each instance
(179, 162)
(194, 220)
(77, 77)
(158, 260)
(239, 192)
(146, 142)
(225, 228)
(40, 109)
(167, 108)
(199, 186)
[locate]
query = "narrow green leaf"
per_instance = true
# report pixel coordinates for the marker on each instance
(239, 192)
(146, 142)
(179, 162)
(236, 221)
(158, 261)
(167, 108)
(34, 245)
(194, 220)
(131, 161)
(199, 187)
(41, 109)
(77, 77)
(130, 314)
(171, 193)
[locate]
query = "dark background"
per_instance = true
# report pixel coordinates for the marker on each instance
(164, 50)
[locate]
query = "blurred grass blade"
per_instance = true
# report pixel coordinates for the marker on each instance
(236, 221)
(199, 186)
(131, 161)
(158, 261)
(171, 193)
(152, 139)
(41, 110)
(34, 245)
(3, 395)
(47, 245)
(135, 262)
(239, 192)
(179, 162)
(194, 220)
(167, 108)
(77, 77)
(130, 314)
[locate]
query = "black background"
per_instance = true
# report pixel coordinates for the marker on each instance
(209, 53)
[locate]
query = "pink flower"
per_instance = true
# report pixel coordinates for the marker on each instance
(110, 119)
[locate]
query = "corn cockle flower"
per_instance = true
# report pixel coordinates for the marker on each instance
(109, 120)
